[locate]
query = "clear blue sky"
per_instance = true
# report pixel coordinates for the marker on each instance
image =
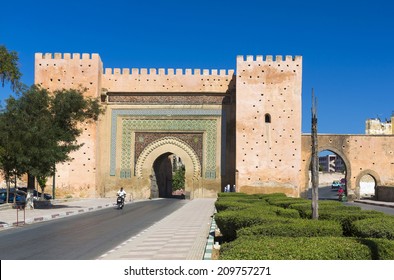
(347, 46)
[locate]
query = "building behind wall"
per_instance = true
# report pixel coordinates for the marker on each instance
(377, 127)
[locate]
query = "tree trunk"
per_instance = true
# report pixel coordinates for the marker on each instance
(315, 163)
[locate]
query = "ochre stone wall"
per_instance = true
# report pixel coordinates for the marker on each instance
(362, 154)
(177, 98)
(241, 128)
(58, 71)
(268, 124)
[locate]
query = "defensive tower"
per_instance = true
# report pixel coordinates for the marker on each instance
(268, 124)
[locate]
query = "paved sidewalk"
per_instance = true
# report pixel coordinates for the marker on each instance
(10, 217)
(375, 202)
(183, 235)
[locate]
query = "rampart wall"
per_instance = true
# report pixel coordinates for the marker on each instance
(167, 80)
(362, 155)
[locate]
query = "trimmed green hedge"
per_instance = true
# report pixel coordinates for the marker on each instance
(294, 228)
(305, 209)
(230, 221)
(268, 226)
(287, 213)
(232, 194)
(379, 227)
(222, 205)
(306, 248)
(285, 202)
(346, 218)
(381, 249)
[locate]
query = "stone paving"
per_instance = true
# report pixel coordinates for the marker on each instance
(182, 235)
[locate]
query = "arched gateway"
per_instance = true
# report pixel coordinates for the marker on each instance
(239, 127)
(161, 148)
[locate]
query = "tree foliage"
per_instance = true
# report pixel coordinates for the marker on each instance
(178, 180)
(9, 70)
(40, 129)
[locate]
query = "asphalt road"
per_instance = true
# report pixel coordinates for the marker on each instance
(85, 236)
(325, 192)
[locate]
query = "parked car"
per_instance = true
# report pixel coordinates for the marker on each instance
(37, 194)
(336, 185)
(20, 196)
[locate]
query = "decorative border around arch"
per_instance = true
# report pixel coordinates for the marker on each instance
(171, 141)
(115, 113)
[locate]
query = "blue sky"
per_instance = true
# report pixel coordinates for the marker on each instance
(347, 46)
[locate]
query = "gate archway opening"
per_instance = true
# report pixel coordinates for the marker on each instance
(367, 185)
(168, 176)
(332, 175)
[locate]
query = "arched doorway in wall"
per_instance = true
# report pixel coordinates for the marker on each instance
(168, 176)
(153, 167)
(332, 175)
(366, 183)
(367, 186)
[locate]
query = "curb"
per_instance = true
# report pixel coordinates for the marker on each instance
(210, 241)
(376, 203)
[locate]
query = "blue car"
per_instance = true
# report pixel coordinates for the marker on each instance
(336, 185)
(20, 196)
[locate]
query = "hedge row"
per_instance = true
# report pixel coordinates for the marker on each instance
(231, 221)
(378, 227)
(255, 217)
(307, 248)
(294, 228)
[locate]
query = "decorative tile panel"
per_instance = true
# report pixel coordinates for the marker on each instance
(130, 125)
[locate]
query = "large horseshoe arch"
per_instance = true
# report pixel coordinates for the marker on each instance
(144, 164)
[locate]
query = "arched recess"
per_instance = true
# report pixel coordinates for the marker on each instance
(334, 150)
(143, 167)
(371, 173)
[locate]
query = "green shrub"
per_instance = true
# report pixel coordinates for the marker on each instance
(346, 218)
(294, 228)
(271, 195)
(232, 194)
(377, 227)
(305, 209)
(230, 221)
(222, 205)
(287, 213)
(286, 202)
(295, 248)
(381, 249)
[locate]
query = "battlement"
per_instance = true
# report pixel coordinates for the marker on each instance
(67, 56)
(268, 58)
(168, 72)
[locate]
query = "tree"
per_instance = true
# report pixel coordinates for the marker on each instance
(178, 180)
(9, 70)
(45, 128)
(315, 162)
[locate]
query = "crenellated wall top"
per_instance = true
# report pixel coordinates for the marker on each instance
(268, 58)
(168, 72)
(67, 56)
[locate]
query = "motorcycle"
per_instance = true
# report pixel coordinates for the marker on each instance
(120, 202)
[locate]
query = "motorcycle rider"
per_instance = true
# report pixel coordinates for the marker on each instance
(122, 194)
(341, 193)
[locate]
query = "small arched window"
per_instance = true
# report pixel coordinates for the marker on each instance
(267, 118)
